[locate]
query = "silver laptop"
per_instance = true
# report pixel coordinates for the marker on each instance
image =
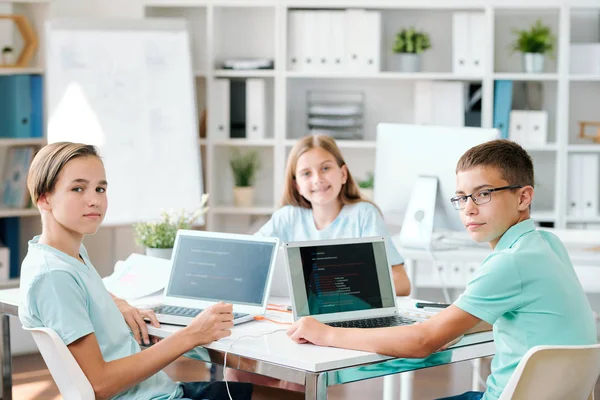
(208, 267)
(345, 282)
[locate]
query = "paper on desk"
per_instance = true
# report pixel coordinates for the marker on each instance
(138, 276)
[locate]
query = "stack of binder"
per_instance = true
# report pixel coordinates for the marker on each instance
(583, 186)
(334, 41)
(21, 106)
(337, 114)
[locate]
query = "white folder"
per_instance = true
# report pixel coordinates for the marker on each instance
(590, 185)
(337, 41)
(460, 43)
(310, 56)
(354, 39)
(4, 264)
(575, 186)
(322, 41)
(256, 109)
(295, 41)
(219, 112)
(423, 110)
(371, 42)
(477, 41)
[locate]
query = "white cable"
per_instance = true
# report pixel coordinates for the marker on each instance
(231, 346)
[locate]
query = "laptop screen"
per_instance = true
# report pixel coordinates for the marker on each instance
(338, 278)
(220, 269)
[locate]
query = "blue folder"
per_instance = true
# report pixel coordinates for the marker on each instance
(15, 106)
(37, 106)
(502, 106)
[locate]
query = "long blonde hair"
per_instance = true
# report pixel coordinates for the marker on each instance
(350, 194)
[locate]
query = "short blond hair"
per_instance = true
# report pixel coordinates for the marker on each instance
(350, 193)
(49, 161)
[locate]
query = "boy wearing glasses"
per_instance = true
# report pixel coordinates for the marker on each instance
(526, 288)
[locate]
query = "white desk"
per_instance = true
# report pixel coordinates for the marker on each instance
(279, 357)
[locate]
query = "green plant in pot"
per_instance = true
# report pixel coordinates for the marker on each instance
(409, 44)
(366, 186)
(244, 167)
(534, 43)
(158, 237)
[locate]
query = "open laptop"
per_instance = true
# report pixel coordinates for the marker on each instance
(208, 267)
(344, 283)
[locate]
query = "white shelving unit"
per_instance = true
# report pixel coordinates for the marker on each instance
(218, 32)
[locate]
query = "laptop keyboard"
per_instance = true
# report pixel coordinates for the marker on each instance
(381, 322)
(186, 312)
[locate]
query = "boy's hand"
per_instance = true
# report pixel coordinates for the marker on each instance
(309, 330)
(212, 324)
(134, 317)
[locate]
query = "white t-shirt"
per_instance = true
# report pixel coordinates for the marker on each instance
(296, 224)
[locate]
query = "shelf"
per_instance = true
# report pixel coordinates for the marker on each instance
(244, 142)
(18, 212)
(543, 216)
(27, 1)
(525, 77)
(243, 210)
(205, 3)
(584, 78)
(22, 142)
(584, 220)
(22, 71)
(443, 76)
(10, 284)
(584, 148)
(343, 144)
(247, 73)
(541, 147)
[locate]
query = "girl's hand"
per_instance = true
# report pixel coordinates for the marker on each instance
(134, 317)
(309, 330)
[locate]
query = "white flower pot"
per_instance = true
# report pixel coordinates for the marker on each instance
(243, 196)
(367, 193)
(8, 59)
(159, 253)
(409, 62)
(533, 62)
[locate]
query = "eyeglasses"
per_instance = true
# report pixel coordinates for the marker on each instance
(479, 198)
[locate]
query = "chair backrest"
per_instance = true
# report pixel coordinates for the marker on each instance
(555, 373)
(70, 379)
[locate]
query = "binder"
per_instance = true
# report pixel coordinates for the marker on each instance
(10, 235)
(337, 44)
(37, 106)
(590, 185)
(575, 190)
(15, 106)
(237, 109)
(256, 109)
(4, 263)
(477, 43)
(423, 110)
(440, 103)
(322, 43)
(295, 41)
(460, 43)
(354, 39)
(502, 106)
(371, 42)
(309, 43)
(219, 120)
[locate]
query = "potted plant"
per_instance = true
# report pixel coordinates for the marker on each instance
(158, 237)
(534, 43)
(409, 44)
(244, 167)
(366, 186)
(7, 56)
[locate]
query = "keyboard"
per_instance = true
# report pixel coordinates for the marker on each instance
(380, 322)
(186, 312)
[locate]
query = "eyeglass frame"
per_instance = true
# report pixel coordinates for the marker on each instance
(455, 199)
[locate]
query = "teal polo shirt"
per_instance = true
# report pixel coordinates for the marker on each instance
(527, 288)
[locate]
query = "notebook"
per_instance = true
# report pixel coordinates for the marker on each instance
(208, 267)
(344, 282)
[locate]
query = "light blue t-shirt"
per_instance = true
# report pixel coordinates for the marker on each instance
(527, 288)
(296, 224)
(61, 293)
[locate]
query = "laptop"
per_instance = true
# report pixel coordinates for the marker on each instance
(343, 283)
(208, 267)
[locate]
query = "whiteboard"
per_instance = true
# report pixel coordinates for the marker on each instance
(127, 87)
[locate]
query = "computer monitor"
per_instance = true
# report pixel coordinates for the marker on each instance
(405, 152)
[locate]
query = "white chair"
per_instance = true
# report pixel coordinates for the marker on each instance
(70, 379)
(555, 373)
